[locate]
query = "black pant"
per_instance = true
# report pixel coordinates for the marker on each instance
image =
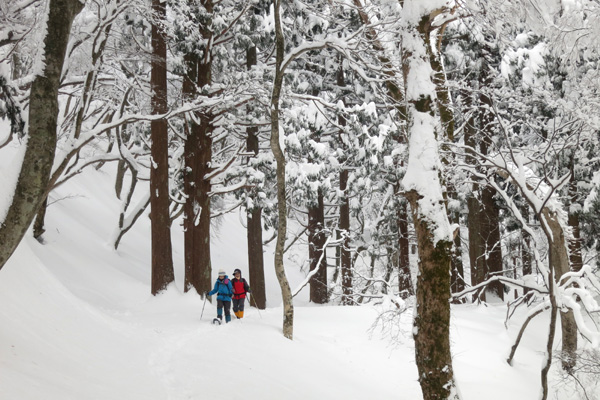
(223, 304)
(238, 305)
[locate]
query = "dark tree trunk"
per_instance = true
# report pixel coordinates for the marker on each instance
(405, 285)
(489, 213)
(458, 272)
(316, 251)
(345, 253)
(255, 259)
(490, 230)
(120, 178)
(484, 241)
(573, 221)
(162, 257)
(485, 250)
(526, 256)
(475, 240)
(34, 176)
(198, 149)
(198, 155)
(575, 243)
(255, 245)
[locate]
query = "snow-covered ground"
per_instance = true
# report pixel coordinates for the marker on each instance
(77, 321)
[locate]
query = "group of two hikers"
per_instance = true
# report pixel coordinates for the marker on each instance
(230, 290)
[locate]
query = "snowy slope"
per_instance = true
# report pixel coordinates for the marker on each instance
(78, 322)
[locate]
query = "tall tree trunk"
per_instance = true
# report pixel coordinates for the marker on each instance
(444, 104)
(255, 245)
(286, 291)
(489, 214)
(316, 250)
(434, 239)
(473, 225)
(485, 250)
(162, 255)
(198, 156)
(33, 178)
(345, 253)
(198, 149)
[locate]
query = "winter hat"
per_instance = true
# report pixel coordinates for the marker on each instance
(237, 270)
(222, 272)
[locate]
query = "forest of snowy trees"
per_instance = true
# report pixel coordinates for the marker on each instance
(465, 132)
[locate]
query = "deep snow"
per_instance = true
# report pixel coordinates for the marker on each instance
(78, 322)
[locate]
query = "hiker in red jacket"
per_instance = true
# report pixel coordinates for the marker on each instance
(240, 288)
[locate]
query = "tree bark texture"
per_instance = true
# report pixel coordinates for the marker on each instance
(255, 258)
(254, 233)
(485, 250)
(198, 150)
(559, 262)
(345, 252)
(316, 250)
(198, 155)
(444, 104)
(431, 330)
(489, 215)
(162, 254)
(405, 284)
(574, 242)
(38, 224)
(33, 178)
(432, 313)
(286, 292)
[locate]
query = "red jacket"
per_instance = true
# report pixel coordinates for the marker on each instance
(240, 288)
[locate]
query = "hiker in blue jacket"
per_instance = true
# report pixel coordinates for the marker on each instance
(224, 292)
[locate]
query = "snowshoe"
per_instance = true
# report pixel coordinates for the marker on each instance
(216, 321)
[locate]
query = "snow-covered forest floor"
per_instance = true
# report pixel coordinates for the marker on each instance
(77, 321)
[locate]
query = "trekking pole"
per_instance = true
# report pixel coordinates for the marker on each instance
(255, 305)
(202, 313)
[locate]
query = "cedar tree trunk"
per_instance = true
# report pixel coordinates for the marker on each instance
(405, 285)
(256, 264)
(198, 155)
(317, 251)
(345, 253)
(162, 258)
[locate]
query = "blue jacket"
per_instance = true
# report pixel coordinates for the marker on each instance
(223, 288)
